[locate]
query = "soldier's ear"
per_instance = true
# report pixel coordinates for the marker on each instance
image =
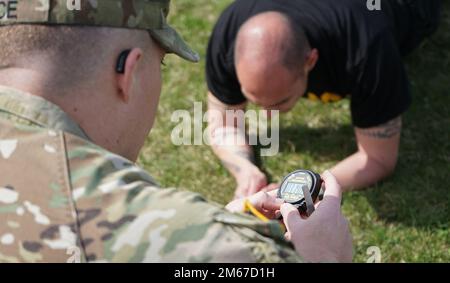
(126, 69)
(311, 60)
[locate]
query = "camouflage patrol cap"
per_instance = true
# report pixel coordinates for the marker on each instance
(134, 14)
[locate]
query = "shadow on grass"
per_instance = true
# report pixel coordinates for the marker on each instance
(327, 143)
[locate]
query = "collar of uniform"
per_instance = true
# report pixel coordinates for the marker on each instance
(38, 111)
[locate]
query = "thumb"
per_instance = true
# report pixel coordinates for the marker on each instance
(291, 216)
(266, 201)
(332, 187)
(331, 203)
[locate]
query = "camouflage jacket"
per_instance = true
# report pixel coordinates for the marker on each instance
(64, 199)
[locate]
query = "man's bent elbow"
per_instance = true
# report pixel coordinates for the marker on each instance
(387, 167)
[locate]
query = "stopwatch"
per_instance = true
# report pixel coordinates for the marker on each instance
(301, 188)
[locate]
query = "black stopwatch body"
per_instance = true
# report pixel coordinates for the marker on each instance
(291, 189)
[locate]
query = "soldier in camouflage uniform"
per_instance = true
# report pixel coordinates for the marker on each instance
(64, 198)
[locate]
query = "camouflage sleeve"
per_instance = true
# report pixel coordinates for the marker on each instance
(123, 216)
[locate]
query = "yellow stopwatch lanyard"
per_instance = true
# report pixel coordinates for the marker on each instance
(248, 207)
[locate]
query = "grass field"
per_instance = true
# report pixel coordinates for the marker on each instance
(406, 216)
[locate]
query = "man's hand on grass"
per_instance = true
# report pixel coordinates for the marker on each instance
(250, 180)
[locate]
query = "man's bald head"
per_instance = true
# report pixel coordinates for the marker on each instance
(273, 58)
(271, 39)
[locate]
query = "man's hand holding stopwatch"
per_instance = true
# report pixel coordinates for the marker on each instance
(325, 235)
(322, 237)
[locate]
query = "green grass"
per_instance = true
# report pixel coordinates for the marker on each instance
(406, 216)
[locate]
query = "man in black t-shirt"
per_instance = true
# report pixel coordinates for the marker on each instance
(272, 52)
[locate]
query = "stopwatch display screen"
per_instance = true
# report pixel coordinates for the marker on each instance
(293, 192)
(292, 187)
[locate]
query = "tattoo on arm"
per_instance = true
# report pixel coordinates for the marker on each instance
(385, 131)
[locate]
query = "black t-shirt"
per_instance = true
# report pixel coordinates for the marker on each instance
(358, 54)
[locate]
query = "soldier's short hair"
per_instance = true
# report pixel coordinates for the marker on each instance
(20, 40)
(74, 53)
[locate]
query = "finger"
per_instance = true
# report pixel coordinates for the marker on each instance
(271, 214)
(272, 203)
(273, 193)
(316, 205)
(287, 236)
(332, 187)
(304, 215)
(264, 201)
(291, 216)
(331, 203)
(277, 215)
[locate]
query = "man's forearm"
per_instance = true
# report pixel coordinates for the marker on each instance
(239, 161)
(359, 171)
(227, 136)
(228, 141)
(376, 157)
(234, 157)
